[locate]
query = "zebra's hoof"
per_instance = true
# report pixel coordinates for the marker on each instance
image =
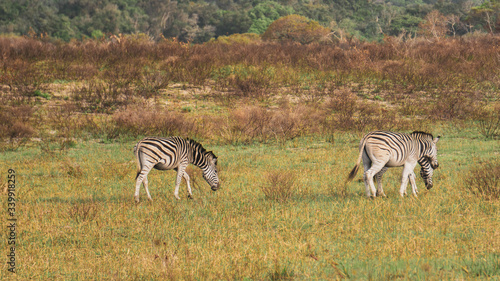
(136, 199)
(150, 199)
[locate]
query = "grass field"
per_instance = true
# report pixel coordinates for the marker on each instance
(77, 219)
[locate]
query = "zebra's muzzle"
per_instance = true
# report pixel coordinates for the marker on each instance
(215, 187)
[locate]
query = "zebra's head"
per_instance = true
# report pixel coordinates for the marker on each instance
(431, 154)
(428, 157)
(210, 170)
(426, 173)
(207, 161)
(428, 148)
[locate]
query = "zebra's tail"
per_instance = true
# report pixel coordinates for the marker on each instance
(137, 160)
(353, 173)
(354, 170)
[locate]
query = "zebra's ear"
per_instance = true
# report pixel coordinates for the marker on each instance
(435, 140)
(213, 156)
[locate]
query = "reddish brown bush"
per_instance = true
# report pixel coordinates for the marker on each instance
(102, 97)
(148, 120)
(16, 122)
(413, 80)
(455, 105)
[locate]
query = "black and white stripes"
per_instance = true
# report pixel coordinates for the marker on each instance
(173, 153)
(381, 150)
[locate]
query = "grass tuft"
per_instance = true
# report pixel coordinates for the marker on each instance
(484, 180)
(280, 185)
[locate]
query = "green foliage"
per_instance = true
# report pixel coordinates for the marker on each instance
(488, 15)
(97, 34)
(405, 23)
(38, 93)
(199, 21)
(263, 14)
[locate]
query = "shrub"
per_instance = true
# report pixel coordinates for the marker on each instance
(484, 180)
(245, 38)
(351, 113)
(246, 124)
(295, 28)
(149, 120)
(102, 97)
(280, 185)
(255, 123)
(15, 126)
(244, 81)
(455, 105)
(489, 122)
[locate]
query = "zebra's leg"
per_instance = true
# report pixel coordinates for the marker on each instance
(378, 176)
(367, 163)
(180, 173)
(145, 183)
(369, 174)
(413, 183)
(407, 171)
(186, 177)
(142, 178)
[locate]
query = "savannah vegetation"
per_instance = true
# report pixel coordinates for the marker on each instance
(284, 118)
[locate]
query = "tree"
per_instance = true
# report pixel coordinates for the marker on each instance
(404, 24)
(160, 15)
(193, 32)
(263, 14)
(488, 15)
(295, 28)
(434, 25)
(231, 22)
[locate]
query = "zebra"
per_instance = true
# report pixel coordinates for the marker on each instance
(173, 153)
(381, 150)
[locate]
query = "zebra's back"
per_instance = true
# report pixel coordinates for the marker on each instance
(163, 153)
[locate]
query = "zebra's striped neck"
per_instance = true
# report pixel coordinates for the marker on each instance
(198, 154)
(424, 141)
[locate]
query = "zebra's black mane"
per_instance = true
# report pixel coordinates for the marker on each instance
(423, 133)
(199, 147)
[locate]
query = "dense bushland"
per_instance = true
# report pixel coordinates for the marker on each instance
(251, 91)
(202, 20)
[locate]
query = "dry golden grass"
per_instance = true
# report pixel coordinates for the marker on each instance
(77, 218)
